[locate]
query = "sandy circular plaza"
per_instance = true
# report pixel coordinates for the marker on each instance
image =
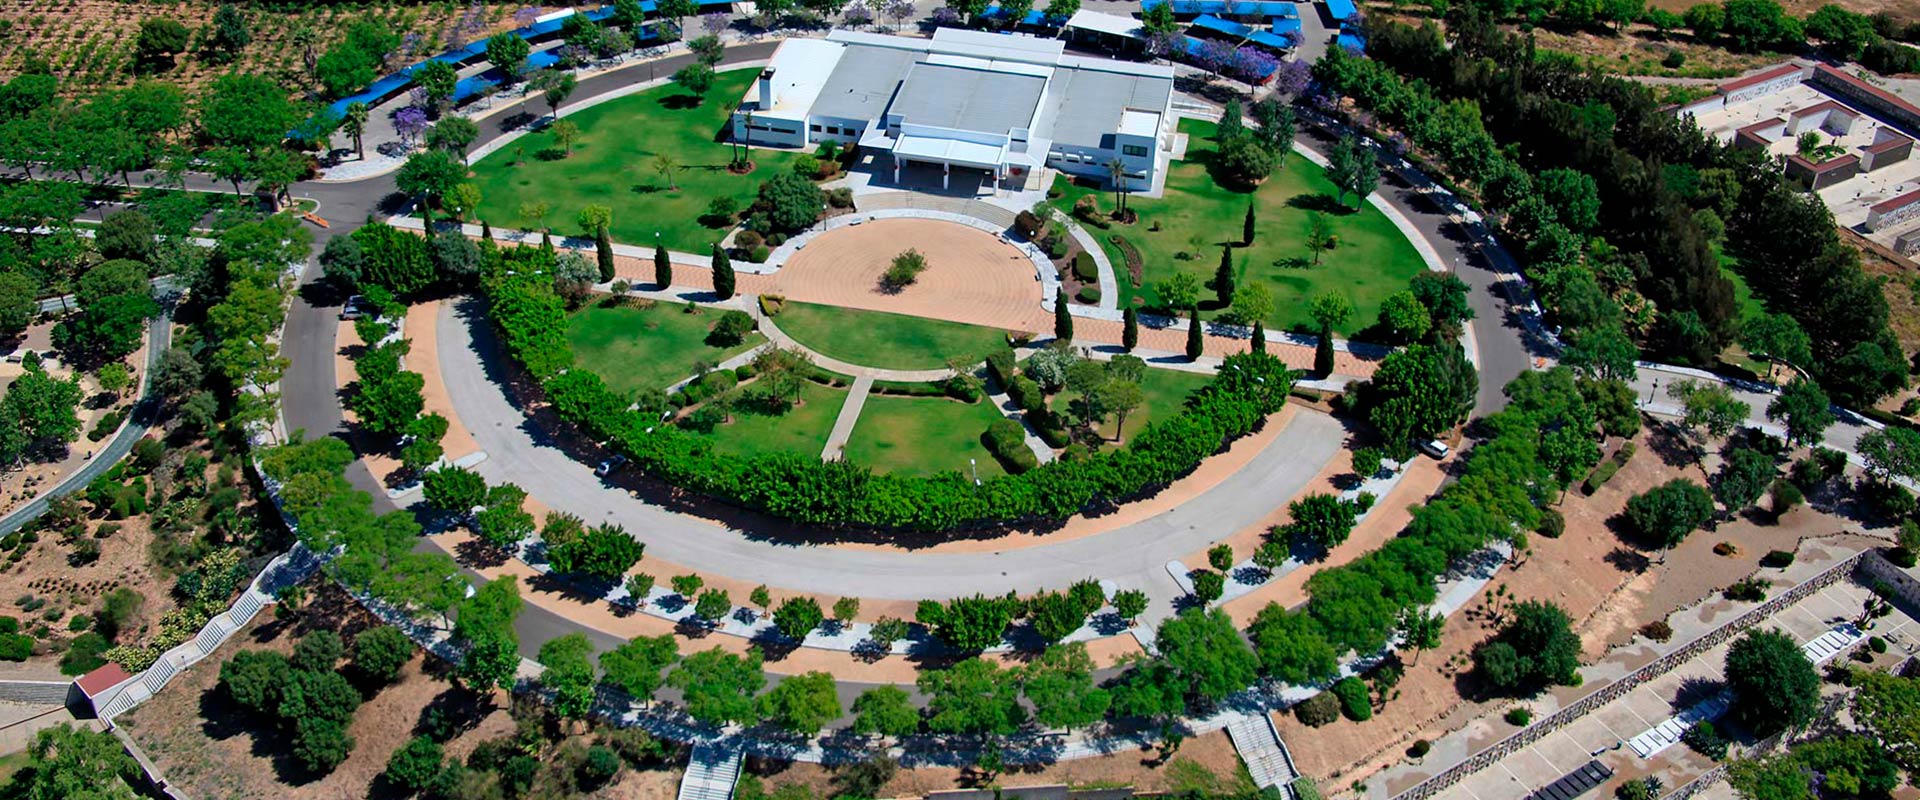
(972, 276)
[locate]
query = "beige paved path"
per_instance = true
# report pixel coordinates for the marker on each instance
(849, 414)
(971, 275)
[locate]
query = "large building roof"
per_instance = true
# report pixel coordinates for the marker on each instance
(1090, 103)
(968, 98)
(863, 81)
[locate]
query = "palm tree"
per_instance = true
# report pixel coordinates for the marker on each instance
(665, 165)
(1117, 172)
(355, 125)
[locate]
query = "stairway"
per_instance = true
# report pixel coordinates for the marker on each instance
(1260, 747)
(711, 771)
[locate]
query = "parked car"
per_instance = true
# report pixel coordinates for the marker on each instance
(1436, 448)
(355, 308)
(608, 466)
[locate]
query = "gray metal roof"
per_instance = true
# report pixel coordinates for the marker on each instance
(966, 98)
(1087, 103)
(863, 82)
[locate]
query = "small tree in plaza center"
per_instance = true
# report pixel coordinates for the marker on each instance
(904, 270)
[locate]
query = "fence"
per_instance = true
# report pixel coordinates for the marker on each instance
(1613, 691)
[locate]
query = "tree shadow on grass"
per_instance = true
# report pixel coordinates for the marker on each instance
(680, 102)
(1321, 202)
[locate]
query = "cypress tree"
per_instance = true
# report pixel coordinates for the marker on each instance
(1062, 318)
(1223, 277)
(426, 214)
(546, 241)
(1246, 228)
(1259, 338)
(603, 248)
(1129, 329)
(1195, 343)
(486, 231)
(1323, 353)
(722, 273)
(662, 267)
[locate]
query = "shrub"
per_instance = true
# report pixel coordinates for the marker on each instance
(1084, 268)
(1318, 710)
(1877, 644)
(1027, 224)
(731, 329)
(1519, 716)
(1751, 590)
(1777, 559)
(904, 270)
(1089, 295)
(1366, 462)
(1552, 524)
(1657, 630)
(1601, 473)
(1725, 549)
(1007, 441)
(1674, 59)
(1420, 748)
(840, 198)
(747, 240)
(1356, 702)
(83, 654)
(1706, 740)
(1902, 557)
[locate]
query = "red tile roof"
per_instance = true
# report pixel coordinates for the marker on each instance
(1888, 205)
(102, 679)
(1776, 72)
(1876, 92)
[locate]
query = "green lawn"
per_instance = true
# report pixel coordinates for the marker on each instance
(1373, 259)
(635, 348)
(1165, 391)
(883, 340)
(612, 165)
(802, 430)
(923, 436)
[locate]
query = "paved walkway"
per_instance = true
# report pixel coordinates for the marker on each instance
(849, 416)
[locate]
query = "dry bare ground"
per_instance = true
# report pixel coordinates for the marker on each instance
(1609, 583)
(90, 43)
(1203, 762)
(210, 749)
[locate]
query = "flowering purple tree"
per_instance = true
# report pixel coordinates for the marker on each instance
(857, 17)
(526, 16)
(714, 23)
(1292, 78)
(1166, 44)
(1251, 64)
(944, 16)
(898, 11)
(410, 122)
(1213, 56)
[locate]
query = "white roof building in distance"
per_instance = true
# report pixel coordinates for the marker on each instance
(1008, 105)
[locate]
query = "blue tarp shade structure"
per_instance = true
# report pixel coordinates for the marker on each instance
(1034, 18)
(1286, 10)
(1271, 41)
(1228, 8)
(1287, 26)
(1349, 41)
(1209, 22)
(1340, 9)
(386, 88)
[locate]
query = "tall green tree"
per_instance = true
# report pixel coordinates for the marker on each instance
(1223, 277)
(1803, 408)
(636, 666)
(801, 704)
(719, 686)
(568, 674)
(974, 697)
(508, 53)
(1289, 647)
(1062, 317)
(1666, 513)
(885, 710)
(723, 282)
(1206, 651)
(1774, 686)
(1129, 328)
(1196, 343)
(1060, 686)
(662, 267)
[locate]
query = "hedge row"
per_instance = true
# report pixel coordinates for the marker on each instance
(1007, 441)
(800, 487)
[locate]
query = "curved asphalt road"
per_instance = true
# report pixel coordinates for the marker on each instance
(310, 402)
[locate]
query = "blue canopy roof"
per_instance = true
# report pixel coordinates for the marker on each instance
(1285, 26)
(1035, 17)
(1271, 41)
(1209, 22)
(1340, 9)
(1231, 8)
(1351, 42)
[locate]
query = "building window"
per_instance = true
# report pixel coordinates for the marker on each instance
(816, 129)
(1134, 150)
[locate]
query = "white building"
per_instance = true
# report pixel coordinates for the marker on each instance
(1008, 105)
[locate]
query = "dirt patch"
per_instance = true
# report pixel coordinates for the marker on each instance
(209, 749)
(1207, 762)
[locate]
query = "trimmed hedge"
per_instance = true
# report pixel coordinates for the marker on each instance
(802, 488)
(910, 388)
(1007, 441)
(1601, 473)
(1084, 268)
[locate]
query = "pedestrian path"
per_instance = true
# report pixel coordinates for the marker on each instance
(1260, 746)
(849, 416)
(1818, 650)
(1004, 402)
(711, 771)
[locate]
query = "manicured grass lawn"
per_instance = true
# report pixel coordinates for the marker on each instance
(1372, 261)
(883, 340)
(802, 430)
(922, 436)
(635, 348)
(1165, 391)
(612, 165)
